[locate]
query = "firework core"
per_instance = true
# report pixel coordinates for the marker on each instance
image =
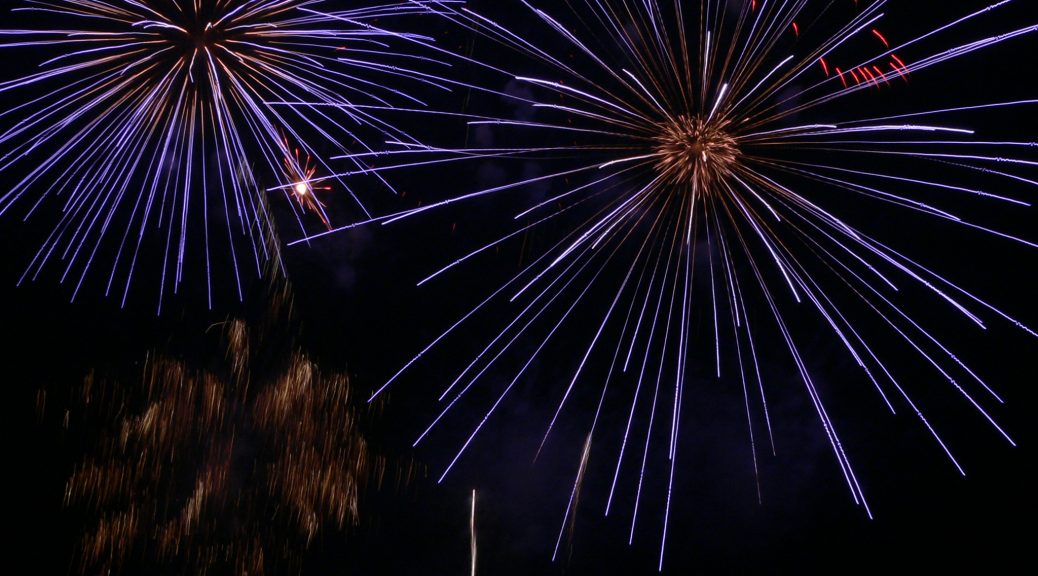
(694, 150)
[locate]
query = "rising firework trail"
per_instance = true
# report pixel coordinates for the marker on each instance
(165, 122)
(473, 549)
(715, 175)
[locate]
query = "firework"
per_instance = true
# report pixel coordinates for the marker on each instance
(160, 125)
(236, 469)
(706, 160)
(304, 190)
(472, 535)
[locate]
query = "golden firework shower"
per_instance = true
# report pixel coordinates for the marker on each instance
(239, 467)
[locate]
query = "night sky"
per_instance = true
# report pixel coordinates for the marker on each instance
(361, 313)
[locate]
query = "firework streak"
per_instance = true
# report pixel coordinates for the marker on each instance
(707, 156)
(159, 119)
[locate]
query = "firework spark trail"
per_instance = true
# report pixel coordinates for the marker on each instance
(700, 124)
(164, 116)
(569, 521)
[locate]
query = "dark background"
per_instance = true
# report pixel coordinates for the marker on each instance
(361, 313)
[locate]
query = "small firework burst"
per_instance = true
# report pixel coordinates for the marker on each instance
(302, 171)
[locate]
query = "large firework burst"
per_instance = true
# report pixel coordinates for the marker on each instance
(163, 122)
(708, 168)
